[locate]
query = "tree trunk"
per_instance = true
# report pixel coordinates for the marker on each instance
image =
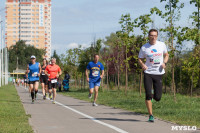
(141, 83)
(118, 82)
(191, 84)
(165, 82)
(126, 73)
(118, 70)
(107, 76)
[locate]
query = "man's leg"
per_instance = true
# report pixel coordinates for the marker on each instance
(31, 91)
(148, 86)
(91, 89)
(157, 85)
(96, 88)
(36, 84)
(54, 93)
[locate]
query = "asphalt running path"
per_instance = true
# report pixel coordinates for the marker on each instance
(71, 115)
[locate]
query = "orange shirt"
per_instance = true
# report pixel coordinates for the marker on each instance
(53, 71)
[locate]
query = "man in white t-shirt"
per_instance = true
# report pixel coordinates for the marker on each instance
(153, 52)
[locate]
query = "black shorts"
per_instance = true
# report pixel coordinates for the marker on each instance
(156, 81)
(51, 85)
(44, 79)
(33, 82)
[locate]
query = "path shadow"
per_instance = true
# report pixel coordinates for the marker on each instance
(74, 105)
(123, 113)
(115, 119)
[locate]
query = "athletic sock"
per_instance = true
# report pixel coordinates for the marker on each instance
(32, 95)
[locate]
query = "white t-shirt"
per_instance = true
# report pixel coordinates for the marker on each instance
(154, 57)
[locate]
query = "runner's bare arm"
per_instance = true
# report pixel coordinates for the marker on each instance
(59, 73)
(86, 74)
(140, 61)
(40, 70)
(46, 73)
(102, 73)
(27, 70)
(166, 57)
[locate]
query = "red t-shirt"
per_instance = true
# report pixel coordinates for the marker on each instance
(53, 71)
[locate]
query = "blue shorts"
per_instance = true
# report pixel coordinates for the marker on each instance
(93, 84)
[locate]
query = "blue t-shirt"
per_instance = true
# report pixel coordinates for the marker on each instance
(34, 71)
(95, 69)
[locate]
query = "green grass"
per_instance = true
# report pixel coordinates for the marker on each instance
(186, 111)
(12, 115)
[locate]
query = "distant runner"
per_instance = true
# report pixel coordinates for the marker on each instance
(94, 79)
(25, 80)
(153, 52)
(35, 70)
(53, 71)
(44, 79)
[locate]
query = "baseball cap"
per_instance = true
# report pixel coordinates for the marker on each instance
(33, 57)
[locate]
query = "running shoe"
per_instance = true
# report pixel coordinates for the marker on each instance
(151, 118)
(50, 96)
(44, 97)
(32, 100)
(47, 96)
(94, 104)
(90, 95)
(54, 102)
(35, 96)
(152, 100)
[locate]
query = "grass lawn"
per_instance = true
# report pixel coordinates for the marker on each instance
(186, 111)
(12, 115)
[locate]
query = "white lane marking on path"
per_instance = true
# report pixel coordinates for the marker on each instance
(90, 117)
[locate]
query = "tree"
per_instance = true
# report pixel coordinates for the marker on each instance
(114, 50)
(23, 52)
(124, 34)
(143, 22)
(55, 55)
(171, 15)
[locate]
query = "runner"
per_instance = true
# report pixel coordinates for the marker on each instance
(153, 52)
(65, 82)
(44, 78)
(94, 78)
(25, 80)
(13, 81)
(53, 71)
(35, 70)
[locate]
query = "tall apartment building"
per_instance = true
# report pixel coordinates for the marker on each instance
(29, 20)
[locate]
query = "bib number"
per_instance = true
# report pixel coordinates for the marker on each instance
(95, 73)
(54, 81)
(35, 74)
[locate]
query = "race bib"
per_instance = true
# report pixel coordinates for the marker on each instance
(43, 73)
(25, 80)
(95, 73)
(54, 81)
(35, 74)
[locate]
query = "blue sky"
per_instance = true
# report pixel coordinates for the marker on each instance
(79, 21)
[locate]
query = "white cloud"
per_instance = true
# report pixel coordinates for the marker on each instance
(62, 48)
